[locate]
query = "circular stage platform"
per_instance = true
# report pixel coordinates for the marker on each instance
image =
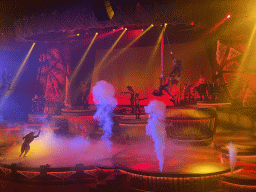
(180, 161)
(186, 168)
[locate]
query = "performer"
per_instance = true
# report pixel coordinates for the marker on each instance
(131, 92)
(85, 93)
(175, 74)
(200, 87)
(174, 78)
(27, 140)
(137, 105)
(187, 92)
(215, 88)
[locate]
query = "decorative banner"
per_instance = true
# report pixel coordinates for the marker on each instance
(233, 53)
(29, 174)
(231, 75)
(62, 175)
(220, 53)
(239, 80)
(5, 170)
(3, 183)
(250, 94)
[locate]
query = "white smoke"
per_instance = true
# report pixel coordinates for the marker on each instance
(156, 128)
(57, 151)
(232, 155)
(103, 96)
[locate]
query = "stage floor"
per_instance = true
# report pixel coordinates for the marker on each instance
(136, 156)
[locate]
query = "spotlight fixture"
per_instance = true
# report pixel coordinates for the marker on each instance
(96, 33)
(165, 24)
(125, 29)
(152, 25)
(228, 16)
(77, 34)
(122, 28)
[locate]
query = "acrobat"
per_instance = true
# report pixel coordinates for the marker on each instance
(174, 78)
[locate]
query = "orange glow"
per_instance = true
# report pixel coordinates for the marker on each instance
(206, 168)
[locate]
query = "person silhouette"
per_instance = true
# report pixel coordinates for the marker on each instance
(132, 96)
(137, 105)
(27, 140)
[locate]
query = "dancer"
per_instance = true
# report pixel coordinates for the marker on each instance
(85, 92)
(131, 92)
(27, 140)
(137, 105)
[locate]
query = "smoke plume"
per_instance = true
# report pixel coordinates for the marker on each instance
(103, 96)
(156, 128)
(232, 155)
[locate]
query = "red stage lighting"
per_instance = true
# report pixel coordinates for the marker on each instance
(122, 28)
(192, 23)
(228, 16)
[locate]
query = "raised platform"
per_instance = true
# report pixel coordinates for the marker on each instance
(78, 111)
(201, 161)
(185, 166)
(183, 123)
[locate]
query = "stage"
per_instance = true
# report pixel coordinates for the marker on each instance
(128, 96)
(132, 158)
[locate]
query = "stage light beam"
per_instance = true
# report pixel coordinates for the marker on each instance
(130, 44)
(18, 74)
(110, 50)
(99, 65)
(159, 40)
(216, 26)
(79, 65)
(244, 58)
